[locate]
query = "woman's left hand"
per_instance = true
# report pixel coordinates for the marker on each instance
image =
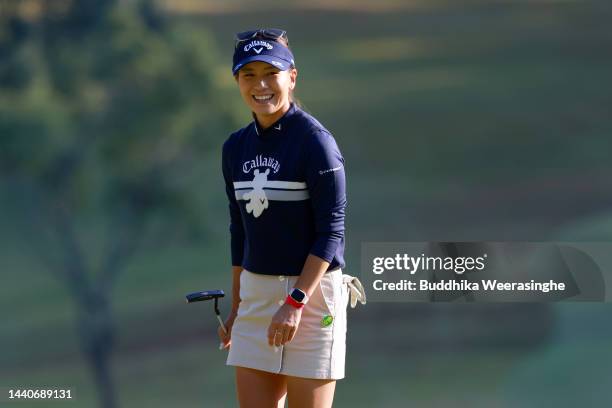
(284, 325)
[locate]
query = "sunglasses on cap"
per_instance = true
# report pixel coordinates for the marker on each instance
(272, 34)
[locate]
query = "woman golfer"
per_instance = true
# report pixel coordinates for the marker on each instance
(284, 177)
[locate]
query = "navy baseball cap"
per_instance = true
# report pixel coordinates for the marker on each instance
(260, 45)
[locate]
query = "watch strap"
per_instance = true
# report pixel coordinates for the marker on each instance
(291, 301)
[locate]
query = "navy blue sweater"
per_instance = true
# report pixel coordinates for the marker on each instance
(286, 191)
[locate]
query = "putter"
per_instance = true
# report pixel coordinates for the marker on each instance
(207, 295)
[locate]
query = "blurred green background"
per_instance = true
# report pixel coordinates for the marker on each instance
(472, 120)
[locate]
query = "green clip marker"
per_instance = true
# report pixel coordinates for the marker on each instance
(326, 320)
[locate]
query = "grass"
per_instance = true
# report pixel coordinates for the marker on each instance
(195, 372)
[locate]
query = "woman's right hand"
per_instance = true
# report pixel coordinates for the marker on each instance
(224, 337)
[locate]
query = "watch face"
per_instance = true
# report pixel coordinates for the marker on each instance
(298, 295)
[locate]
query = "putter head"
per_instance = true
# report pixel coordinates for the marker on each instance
(204, 295)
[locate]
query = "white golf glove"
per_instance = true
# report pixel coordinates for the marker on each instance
(356, 292)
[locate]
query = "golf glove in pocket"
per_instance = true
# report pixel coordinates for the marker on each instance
(356, 292)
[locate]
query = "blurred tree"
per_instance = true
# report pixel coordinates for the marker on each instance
(105, 110)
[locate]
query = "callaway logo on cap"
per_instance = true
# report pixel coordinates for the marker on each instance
(253, 45)
(269, 51)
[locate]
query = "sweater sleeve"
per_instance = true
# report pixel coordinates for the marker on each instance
(327, 188)
(236, 227)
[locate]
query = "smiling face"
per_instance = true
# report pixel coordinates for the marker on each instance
(266, 89)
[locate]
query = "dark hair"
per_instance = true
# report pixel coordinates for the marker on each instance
(284, 41)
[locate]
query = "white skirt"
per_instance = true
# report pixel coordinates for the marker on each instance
(319, 346)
